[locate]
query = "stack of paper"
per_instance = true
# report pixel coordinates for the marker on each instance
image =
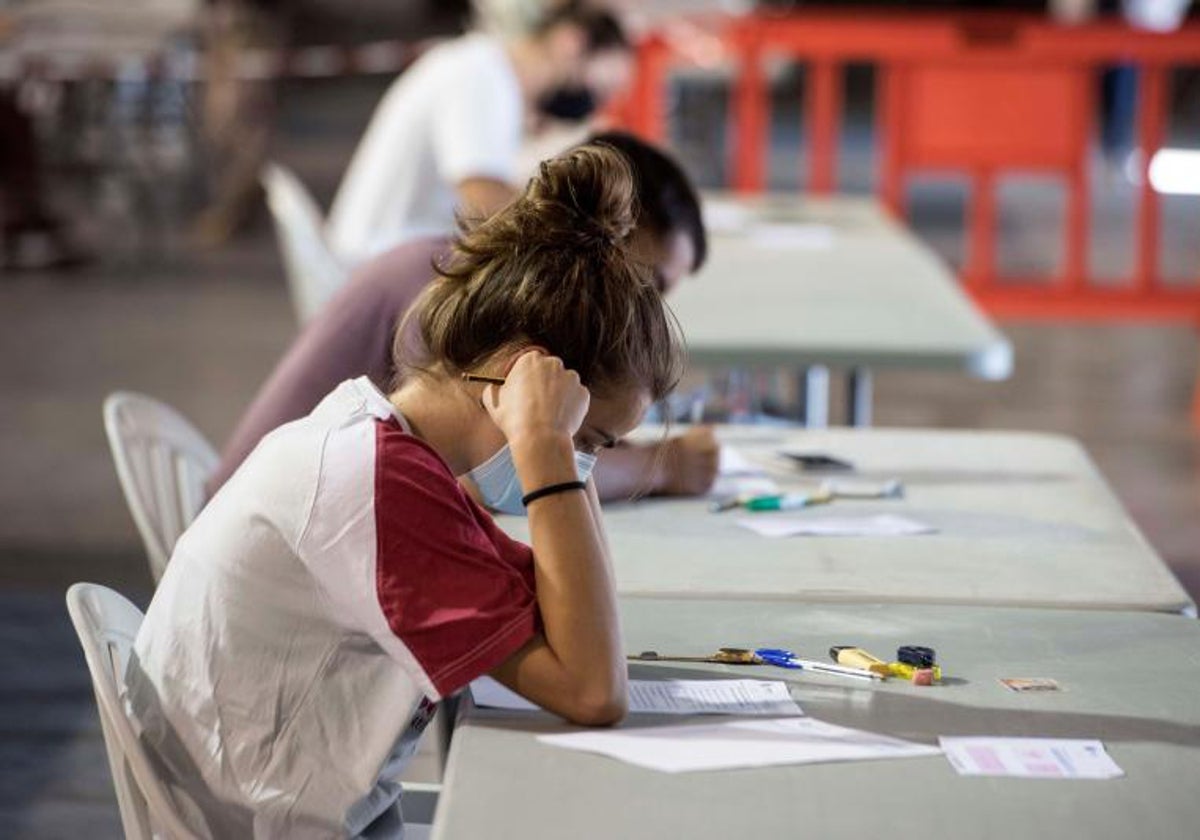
(672, 697)
(721, 746)
(787, 738)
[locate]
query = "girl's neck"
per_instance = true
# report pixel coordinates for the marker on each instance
(442, 415)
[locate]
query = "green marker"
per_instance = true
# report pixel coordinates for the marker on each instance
(785, 501)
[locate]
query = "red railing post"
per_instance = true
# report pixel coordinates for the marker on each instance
(751, 120)
(824, 118)
(646, 111)
(1151, 126)
(980, 267)
(1075, 259)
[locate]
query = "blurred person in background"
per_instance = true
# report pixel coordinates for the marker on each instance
(237, 112)
(32, 235)
(353, 335)
(1119, 84)
(447, 136)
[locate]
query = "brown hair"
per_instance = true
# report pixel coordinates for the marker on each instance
(552, 268)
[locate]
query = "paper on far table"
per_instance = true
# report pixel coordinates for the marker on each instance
(672, 697)
(722, 216)
(731, 461)
(885, 525)
(1030, 758)
(739, 476)
(719, 746)
(797, 237)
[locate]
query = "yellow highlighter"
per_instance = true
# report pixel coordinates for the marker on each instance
(859, 658)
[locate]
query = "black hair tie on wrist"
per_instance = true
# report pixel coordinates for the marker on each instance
(550, 490)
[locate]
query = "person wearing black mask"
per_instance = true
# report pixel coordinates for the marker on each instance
(446, 139)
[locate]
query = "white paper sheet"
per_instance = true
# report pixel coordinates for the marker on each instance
(725, 216)
(743, 487)
(739, 476)
(488, 693)
(782, 236)
(731, 462)
(857, 488)
(719, 746)
(1030, 758)
(673, 697)
(885, 525)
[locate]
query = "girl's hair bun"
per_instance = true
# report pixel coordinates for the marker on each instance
(553, 268)
(584, 197)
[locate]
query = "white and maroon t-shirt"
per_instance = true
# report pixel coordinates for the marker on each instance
(336, 588)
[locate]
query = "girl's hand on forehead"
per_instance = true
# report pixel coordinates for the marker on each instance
(540, 398)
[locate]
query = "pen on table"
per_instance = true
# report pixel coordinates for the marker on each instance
(786, 659)
(840, 670)
(727, 503)
(786, 501)
(479, 377)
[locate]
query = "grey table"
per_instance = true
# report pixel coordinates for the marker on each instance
(1023, 520)
(808, 282)
(1129, 679)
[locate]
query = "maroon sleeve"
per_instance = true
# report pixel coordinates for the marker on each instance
(456, 590)
(351, 336)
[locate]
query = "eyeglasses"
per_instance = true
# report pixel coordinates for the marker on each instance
(479, 377)
(587, 449)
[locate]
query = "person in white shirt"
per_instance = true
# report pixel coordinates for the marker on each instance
(447, 136)
(342, 582)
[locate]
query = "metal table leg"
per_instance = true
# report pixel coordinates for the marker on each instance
(813, 391)
(858, 397)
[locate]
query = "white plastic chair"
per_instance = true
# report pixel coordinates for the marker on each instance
(314, 273)
(107, 624)
(162, 463)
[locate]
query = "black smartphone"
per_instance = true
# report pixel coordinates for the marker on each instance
(819, 462)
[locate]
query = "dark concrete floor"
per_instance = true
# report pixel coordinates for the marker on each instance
(201, 329)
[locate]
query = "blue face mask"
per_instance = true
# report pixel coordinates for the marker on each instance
(499, 486)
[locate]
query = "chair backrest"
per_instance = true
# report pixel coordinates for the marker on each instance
(162, 463)
(107, 624)
(314, 272)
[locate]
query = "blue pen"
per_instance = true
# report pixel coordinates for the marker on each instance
(786, 659)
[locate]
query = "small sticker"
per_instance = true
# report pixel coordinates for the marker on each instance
(1030, 684)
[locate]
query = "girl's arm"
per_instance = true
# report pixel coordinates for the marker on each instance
(577, 667)
(684, 465)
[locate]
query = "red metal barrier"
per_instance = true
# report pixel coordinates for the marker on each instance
(981, 94)
(977, 93)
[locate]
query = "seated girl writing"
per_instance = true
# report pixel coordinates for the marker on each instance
(342, 583)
